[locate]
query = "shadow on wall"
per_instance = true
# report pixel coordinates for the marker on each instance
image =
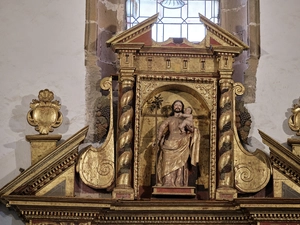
(18, 122)
(255, 144)
(19, 148)
(22, 156)
(9, 217)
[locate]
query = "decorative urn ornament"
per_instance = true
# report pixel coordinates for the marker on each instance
(44, 114)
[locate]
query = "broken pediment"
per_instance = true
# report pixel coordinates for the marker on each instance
(139, 36)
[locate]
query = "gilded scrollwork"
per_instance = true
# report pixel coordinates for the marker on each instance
(252, 170)
(44, 114)
(205, 90)
(96, 165)
(238, 88)
(294, 120)
(149, 87)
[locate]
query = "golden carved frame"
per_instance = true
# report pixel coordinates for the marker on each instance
(147, 86)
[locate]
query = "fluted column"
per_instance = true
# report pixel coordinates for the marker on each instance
(226, 188)
(124, 151)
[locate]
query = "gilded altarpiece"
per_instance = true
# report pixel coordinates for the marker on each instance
(151, 76)
(228, 184)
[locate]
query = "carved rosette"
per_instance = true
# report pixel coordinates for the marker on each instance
(44, 114)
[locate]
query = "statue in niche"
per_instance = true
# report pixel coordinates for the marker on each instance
(175, 144)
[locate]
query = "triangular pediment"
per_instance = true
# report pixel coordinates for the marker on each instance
(139, 35)
(51, 171)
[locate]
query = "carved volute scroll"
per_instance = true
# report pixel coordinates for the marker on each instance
(96, 164)
(252, 170)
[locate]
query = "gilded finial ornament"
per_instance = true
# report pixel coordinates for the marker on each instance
(294, 120)
(44, 114)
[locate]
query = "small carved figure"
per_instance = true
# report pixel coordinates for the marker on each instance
(187, 123)
(175, 147)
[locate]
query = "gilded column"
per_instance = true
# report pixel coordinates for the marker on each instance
(124, 151)
(226, 188)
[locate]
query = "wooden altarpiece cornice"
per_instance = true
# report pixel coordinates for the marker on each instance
(208, 63)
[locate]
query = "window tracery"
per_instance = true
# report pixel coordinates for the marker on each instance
(177, 18)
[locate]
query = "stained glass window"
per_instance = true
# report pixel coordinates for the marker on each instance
(177, 18)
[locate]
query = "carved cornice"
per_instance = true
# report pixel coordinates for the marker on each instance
(173, 47)
(42, 180)
(271, 209)
(97, 211)
(178, 78)
(39, 210)
(189, 53)
(127, 47)
(227, 50)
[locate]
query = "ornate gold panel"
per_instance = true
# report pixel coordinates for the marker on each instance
(197, 92)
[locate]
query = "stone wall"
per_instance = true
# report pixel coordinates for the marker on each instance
(241, 18)
(103, 20)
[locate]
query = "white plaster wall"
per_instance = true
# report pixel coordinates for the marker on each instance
(278, 74)
(42, 46)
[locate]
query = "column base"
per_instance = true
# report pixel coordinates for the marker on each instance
(125, 193)
(226, 193)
